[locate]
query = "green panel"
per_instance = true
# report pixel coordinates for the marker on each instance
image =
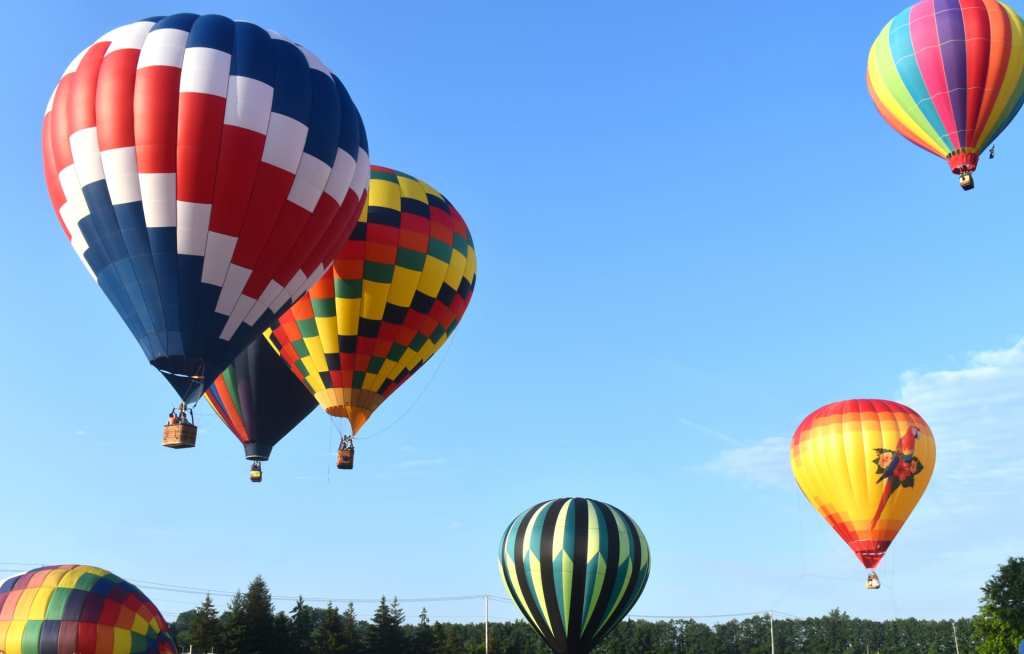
(30, 638)
(58, 602)
(348, 289)
(396, 352)
(410, 259)
(324, 308)
(308, 328)
(439, 250)
(417, 342)
(375, 365)
(378, 272)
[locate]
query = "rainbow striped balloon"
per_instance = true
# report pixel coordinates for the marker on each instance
(78, 609)
(947, 74)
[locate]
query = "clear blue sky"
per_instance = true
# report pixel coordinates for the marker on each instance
(693, 229)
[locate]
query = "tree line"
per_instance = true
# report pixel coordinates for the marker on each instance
(250, 625)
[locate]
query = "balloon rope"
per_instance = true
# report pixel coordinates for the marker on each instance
(430, 382)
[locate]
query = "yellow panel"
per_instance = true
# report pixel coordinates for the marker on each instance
(403, 286)
(375, 299)
(433, 274)
(386, 193)
(348, 316)
(411, 188)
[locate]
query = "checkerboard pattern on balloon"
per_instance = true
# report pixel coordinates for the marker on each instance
(80, 609)
(393, 297)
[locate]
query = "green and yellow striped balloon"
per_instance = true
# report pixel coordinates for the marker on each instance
(575, 567)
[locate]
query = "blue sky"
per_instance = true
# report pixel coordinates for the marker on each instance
(693, 229)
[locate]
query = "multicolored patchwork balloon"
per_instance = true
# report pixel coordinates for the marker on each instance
(949, 76)
(79, 609)
(207, 172)
(864, 465)
(574, 567)
(391, 300)
(259, 400)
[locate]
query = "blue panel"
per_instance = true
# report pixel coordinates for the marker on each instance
(212, 31)
(325, 116)
(349, 123)
(136, 240)
(253, 55)
(177, 22)
(163, 243)
(292, 91)
(190, 269)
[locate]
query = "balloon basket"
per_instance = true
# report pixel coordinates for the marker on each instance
(346, 457)
(967, 181)
(180, 436)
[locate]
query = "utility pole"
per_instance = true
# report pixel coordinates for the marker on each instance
(771, 629)
(956, 643)
(487, 624)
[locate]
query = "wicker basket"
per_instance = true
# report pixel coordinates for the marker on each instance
(346, 456)
(179, 436)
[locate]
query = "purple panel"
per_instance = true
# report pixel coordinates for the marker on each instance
(950, 22)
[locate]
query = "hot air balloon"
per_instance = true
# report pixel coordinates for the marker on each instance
(79, 609)
(260, 401)
(574, 567)
(206, 172)
(391, 300)
(864, 464)
(947, 75)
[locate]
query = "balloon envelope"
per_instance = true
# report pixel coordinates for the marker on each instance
(81, 610)
(947, 75)
(390, 301)
(206, 172)
(575, 567)
(259, 399)
(864, 465)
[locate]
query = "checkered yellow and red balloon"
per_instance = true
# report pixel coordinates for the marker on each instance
(390, 301)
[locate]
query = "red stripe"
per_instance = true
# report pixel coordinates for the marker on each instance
(115, 97)
(156, 118)
(238, 161)
(60, 118)
(322, 219)
(83, 109)
(291, 221)
(977, 47)
(270, 190)
(57, 198)
(1000, 34)
(200, 119)
(338, 232)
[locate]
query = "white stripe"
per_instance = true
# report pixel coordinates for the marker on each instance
(342, 174)
(313, 61)
(234, 282)
(49, 103)
(361, 180)
(309, 182)
(249, 103)
(73, 66)
(158, 201)
(290, 289)
(219, 248)
(318, 272)
(268, 294)
(285, 139)
(85, 150)
(75, 207)
(205, 70)
(193, 226)
(71, 218)
(127, 37)
(235, 319)
(122, 172)
(163, 47)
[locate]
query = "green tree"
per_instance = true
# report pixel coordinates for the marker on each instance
(302, 625)
(329, 637)
(232, 626)
(422, 637)
(1000, 622)
(204, 634)
(350, 632)
(385, 635)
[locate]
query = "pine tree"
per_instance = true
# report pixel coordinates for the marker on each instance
(386, 635)
(423, 637)
(233, 627)
(257, 619)
(329, 635)
(301, 628)
(205, 629)
(353, 642)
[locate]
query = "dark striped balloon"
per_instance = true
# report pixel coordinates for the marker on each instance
(575, 567)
